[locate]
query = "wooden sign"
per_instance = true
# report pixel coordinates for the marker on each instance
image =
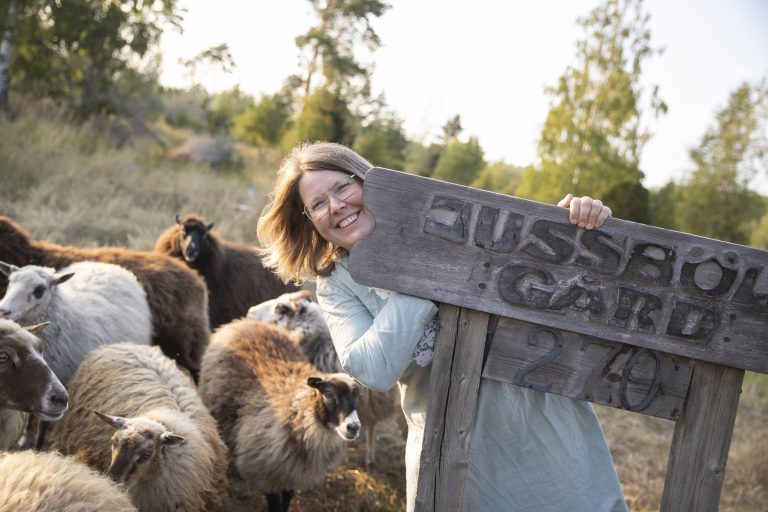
(626, 282)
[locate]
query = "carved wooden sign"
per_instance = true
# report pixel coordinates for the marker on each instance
(625, 282)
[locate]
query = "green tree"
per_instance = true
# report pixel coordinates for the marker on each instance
(383, 143)
(265, 123)
(460, 162)
(326, 116)
(662, 204)
(715, 200)
(499, 177)
(592, 137)
(421, 159)
(77, 51)
(452, 129)
(224, 107)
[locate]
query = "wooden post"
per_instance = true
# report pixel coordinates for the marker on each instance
(696, 467)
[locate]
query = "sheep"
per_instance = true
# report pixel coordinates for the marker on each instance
(177, 296)
(89, 304)
(165, 448)
(284, 422)
(48, 482)
(234, 274)
(27, 384)
(303, 318)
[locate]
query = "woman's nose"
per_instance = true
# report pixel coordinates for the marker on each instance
(336, 204)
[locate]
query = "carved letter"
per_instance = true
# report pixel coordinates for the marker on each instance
(693, 322)
(448, 218)
(606, 258)
(486, 223)
(553, 241)
(750, 290)
(634, 309)
(707, 277)
(652, 263)
(523, 286)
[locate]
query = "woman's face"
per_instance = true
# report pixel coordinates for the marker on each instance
(346, 221)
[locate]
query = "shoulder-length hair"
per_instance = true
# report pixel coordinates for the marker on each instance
(291, 245)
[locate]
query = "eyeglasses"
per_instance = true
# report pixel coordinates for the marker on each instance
(319, 205)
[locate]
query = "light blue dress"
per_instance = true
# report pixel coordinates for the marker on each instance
(530, 451)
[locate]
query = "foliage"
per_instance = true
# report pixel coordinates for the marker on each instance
(224, 107)
(383, 143)
(452, 129)
(421, 159)
(76, 51)
(715, 200)
(263, 124)
(326, 116)
(661, 208)
(592, 137)
(499, 177)
(460, 162)
(628, 200)
(185, 108)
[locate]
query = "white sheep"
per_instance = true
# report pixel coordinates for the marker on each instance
(285, 423)
(163, 447)
(48, 482)
(27, 384)
(297, 313)
(88, 304)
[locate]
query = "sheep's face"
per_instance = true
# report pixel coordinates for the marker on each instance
(292, 311)
(193, 236)
(26, 382)
(29, 290)
(338, 410)
(138, 448)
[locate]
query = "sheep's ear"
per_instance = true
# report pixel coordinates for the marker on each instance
(7, 268)
(178, 220)
(168, 438)
(112, 421)
(315, 382)
(37, 328)
(210, 226)
(62, 279)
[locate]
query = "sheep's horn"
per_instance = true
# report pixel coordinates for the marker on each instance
(178, 219)
(34, 329)
(7, 268)
(114, 421)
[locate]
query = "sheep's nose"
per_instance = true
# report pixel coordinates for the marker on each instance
(353, 429)
(59, 398)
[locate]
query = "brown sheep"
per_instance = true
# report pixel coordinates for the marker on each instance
(177, 297)
(234, 274)
(285, 423)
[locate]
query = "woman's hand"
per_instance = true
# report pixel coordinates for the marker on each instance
(586, 212)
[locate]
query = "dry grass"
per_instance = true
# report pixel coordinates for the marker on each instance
(73, 185)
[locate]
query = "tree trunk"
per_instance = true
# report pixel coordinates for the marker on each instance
(5, 59)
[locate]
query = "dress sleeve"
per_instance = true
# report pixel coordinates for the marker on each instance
(375, 350)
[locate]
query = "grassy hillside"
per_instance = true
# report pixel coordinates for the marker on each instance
(75, 185)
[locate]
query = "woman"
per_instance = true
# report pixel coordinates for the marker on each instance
(530, 451)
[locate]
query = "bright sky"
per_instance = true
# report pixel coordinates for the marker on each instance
(489, 61)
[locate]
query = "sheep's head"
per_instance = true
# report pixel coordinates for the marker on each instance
(138, 448)
(194, 234)
(26, 382)
(338, 410)
(291, 311)
(29, 289)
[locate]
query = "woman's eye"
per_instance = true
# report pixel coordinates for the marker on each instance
(342, 187)
(318, 205)
(38, 291)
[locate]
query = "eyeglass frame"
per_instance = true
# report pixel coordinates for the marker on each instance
(325, 192)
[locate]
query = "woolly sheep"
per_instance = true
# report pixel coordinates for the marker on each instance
(285, 423)
(166, 450)
(48, 482)
(233, 272)
(177, 296)
(27, 384)
(88, 303)
(303, 318)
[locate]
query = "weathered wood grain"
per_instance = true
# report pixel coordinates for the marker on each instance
(699, 452)
(439, 384)
(626, 282)
(460, 414)
(587, 368)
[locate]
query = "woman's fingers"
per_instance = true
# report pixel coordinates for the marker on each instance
(566, 201)
(605, 212)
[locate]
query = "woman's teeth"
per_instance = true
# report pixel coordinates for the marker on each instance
(349, 220)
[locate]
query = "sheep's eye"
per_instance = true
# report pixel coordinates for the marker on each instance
(282, 309)
(38, 291)
(4, 357)
(329, 395)
(143, 457)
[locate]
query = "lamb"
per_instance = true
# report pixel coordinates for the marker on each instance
(27, 384)
(177, 296)
(88, 303)
(285, 423)
(303, 318)
(165, 449)
(234, 274)
(48, 482)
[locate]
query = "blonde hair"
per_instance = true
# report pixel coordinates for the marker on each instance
(291, 245)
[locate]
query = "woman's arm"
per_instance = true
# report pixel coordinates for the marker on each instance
(374, 350)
